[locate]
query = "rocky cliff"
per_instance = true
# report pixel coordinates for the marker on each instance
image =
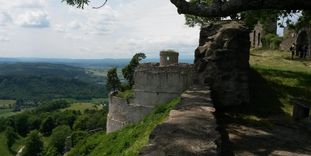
(221, 61)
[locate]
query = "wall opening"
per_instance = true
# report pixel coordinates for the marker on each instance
(258, 40)
(301, 43)
(254, 38)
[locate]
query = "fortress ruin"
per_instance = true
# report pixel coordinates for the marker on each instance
(155, 83)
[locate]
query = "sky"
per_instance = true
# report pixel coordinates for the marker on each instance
(52, 29)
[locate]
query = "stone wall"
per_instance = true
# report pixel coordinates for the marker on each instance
(122, 112)
(290, 37)
(168, 57)
(222, 61)
(189, 130)
(304, 38)
(256, 35)
(154, 85)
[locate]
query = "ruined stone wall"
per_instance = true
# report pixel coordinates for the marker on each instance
(190, 129)
(256, 35)
(307, 30)
(290, 37)
(222, 62)
(122, 112)
(168, 57)
(154, 85)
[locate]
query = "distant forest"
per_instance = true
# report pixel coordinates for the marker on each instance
(48, 81)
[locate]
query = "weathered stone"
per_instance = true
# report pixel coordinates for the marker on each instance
(190, 130)
(154, 85)
(168, 57)
(304, 39)
(301, 109)
(221, 61)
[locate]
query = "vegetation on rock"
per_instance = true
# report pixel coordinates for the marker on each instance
(128, 71)
(113, 82)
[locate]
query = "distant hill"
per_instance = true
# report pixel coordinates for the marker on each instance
(82, 62)
(72, 62)
(48, 81)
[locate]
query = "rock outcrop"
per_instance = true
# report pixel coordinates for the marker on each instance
(189, 130)
(221, 61)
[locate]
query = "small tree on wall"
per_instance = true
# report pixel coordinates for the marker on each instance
(128, 71)
(113, 81)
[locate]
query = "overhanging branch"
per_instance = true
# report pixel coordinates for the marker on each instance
(101, 5)
(229, 7)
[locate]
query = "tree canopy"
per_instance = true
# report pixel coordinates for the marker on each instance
(128, 71)
(113, 81)
(223, 8)
(33, 144)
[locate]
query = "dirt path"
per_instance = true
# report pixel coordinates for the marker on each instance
(275, 140)
(20, 151)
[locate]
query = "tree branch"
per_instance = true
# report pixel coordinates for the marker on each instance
(101, 5)
(229, 7)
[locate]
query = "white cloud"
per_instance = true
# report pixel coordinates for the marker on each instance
(74, 25)
(96, 21)
(4, 39)
(5, 18)
(119, 29)
(37, 19)
(30, 4)
(59, 28)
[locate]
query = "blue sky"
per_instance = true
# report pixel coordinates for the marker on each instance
(51, 29)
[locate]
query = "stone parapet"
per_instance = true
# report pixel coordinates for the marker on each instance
(189, 130)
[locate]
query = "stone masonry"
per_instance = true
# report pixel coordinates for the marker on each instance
(168, 58)
(222, 62)
(189, 130)
(154, 85)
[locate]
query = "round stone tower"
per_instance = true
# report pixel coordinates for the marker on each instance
(168, 57)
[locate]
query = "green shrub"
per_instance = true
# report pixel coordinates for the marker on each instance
(271, 41)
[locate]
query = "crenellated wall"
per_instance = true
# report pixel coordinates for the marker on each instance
(154, 85)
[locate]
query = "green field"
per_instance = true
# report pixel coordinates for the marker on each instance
(275, 80)
(7, 112)
(7, 103)
(83, 106)
(102, 72)
(3, 146)
(279, 60)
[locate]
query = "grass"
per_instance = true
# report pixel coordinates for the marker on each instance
(126, 94)
(7, 113)
(82, 107)
(7, 103)
(279, 60)
(126, 142)
(275, 80)
(102, 72)
(4, 151)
